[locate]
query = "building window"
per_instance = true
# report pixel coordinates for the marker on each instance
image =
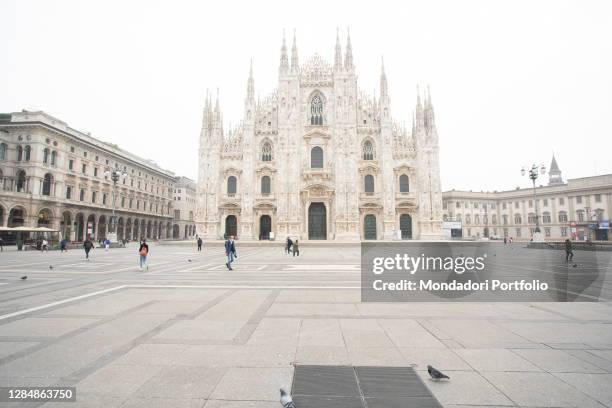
(546, 219)
(580, 214)
(84, 169)
(516, 204)
(475, 205)
(547, 231)
(68, 192)
(457, 204)
(231, 185)
(265, 185)
(177, 214)
(316, 157)
(71, 149)
(598, 198)
(104, 195)
(562, 216)
(368, 184)
(561, 201)
(368, 150)
(3, 150)
(404, 184)
(47, 183)
(27, 152)
(94, 196)
(122, 201)
(266, 152)
(82, 195)
(517, 219)
(531, 218)
(504, 206)
(53, 157)
(46, 156)
(316, 111)
(70, 164)
(95, 172)
(578, 199)
(468, 219)
(564, 231)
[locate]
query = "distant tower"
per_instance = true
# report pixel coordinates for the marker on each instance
(554, 174)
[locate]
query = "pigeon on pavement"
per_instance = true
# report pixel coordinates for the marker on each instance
(436, 374)
(24, 277)
(286, 400)
(189, 260)
(574, 265)
(50, 266)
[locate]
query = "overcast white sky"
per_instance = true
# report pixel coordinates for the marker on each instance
(511, 81)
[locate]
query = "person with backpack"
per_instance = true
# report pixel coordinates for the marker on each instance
(88, 245)
(143, 252)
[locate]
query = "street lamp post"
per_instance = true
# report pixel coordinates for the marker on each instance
(115, 176)
(533, 173)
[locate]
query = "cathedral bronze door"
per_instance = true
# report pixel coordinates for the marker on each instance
(317, 221)
(369, 227)
(231, 226)
(406, 226)
(265, 226)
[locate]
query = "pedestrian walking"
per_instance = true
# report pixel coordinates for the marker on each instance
(505, 240)
(143, 252)
(63, 244)
(88, 245)
(288, 246)
(106, 244)
(1, 245)
(296, 248)
(199, 244)
(569, 253)
(44, 246)
(230, 252)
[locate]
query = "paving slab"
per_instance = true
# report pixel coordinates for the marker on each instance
(42, 327)
(496, 360)
(321, 332)
(557, 361)
(253, 384)
(182, 383)
(596, 386)
(540, 390)
(117, 380)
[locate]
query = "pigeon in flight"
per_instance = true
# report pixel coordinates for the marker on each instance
(24, 277)
(436, 374)
(286, 400)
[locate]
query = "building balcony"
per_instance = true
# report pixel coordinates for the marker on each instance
(322, 174)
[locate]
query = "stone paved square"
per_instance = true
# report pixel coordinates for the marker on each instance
(192, 334)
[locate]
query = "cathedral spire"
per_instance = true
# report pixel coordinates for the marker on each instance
(284, 60)
(294, 55)
(384, 91)
(251, 84)
(338, 56)
(348, 59)
(420, 120)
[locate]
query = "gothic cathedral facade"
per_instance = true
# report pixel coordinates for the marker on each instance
(319, 159)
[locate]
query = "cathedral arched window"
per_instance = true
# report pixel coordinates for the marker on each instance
(265, 185)
(46, 156)
(368, 150)
(368, 183)
(316, 158)
(27, 152)
(316, 111)
(53, 157)
(404, 184)
(19, 153)
(21, 181)
(231, 185)
(266, 152)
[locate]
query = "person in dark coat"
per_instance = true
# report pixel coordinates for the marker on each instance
(88, 245)
(569, 253)
(230, 252)
(199, 244)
